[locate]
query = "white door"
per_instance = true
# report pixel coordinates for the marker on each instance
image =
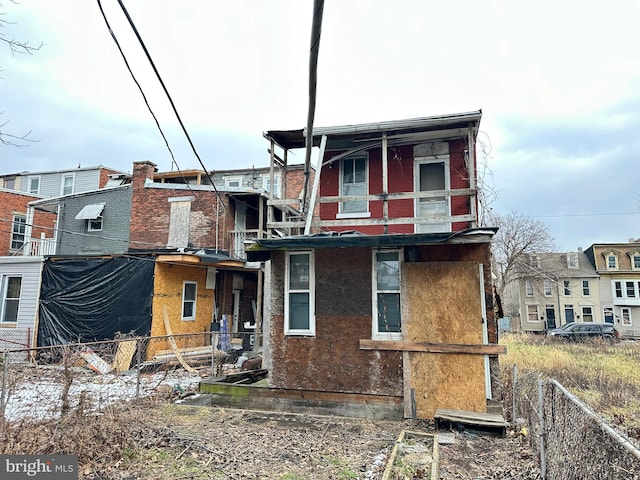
(432, 175)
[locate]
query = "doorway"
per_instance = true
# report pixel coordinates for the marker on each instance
(550, 314)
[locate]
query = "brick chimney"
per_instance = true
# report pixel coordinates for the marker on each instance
(141, 171)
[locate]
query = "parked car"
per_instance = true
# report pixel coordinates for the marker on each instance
(581, 331)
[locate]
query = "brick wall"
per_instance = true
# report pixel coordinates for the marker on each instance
(14, 203)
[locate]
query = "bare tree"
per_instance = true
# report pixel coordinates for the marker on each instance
(16, 47)
(518, 237)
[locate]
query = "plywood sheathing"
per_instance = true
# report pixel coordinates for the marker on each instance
(443, 306)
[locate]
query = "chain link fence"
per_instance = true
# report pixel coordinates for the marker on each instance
(49, 382)
(571, 440)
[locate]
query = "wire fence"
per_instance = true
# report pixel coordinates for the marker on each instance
(48, 382)
(571, 440)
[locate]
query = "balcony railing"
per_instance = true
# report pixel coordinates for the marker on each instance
(238, 239)
(41, 246)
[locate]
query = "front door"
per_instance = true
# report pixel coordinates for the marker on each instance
(569, 314)
(550, 313)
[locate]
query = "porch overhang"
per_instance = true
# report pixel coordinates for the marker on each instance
(260, 251)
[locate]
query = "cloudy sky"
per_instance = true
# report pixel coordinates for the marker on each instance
(558, 84)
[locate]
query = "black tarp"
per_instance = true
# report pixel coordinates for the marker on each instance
(90, 299)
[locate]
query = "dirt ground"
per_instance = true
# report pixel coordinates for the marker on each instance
(189, 442)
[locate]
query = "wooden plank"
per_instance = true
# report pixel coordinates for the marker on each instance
(124, 354)
(411, 436)
(172, 341)
(475, 418)
(476, 349)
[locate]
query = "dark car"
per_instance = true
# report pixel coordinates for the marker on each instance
(581, 331)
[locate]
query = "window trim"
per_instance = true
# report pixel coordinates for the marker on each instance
(266, 181)
(625, 322)
(92, 224)
(611, 255)
(23, 223)
(310, 290)
(445, 159)
(31, 178)
(566, 288)
(528, 287)
(572, 260)
(592, 314)
(633, 256)
(72, 176)
(366, 213)
(4, 286)
(548, 283)
(192, 317)
(229, 180)
(537, 312)
(586, 288)
(375, 333)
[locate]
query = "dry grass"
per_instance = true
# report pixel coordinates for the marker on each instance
(606, 376)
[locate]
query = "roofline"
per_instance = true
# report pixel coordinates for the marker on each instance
(46, 201)
(69, 170)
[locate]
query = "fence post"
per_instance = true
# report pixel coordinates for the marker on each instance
(541, 436)
(514, 411)
(138, 354)
(5, 375)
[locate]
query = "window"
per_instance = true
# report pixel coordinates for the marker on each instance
(18, 231)
(528, 287)
(353, 182)
(10, 299)
(547, 288)
(608, 314)
(233, 182)
(630, 288)
(635, 261)
(93, 215)
(266, 185)
(534, 260)
(617, 289)
(299, 316)
(587, 314)
(625, 312)
(586, 290)
(567, 287)
(386, 305)
(10, 183)
(612, 261)
(572, 260)
(532, 313)
(34, 185)
(189, 295)
(67, 184)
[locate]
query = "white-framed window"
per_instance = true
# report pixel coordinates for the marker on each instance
(630, 289)
(528, 287)
(353, 182)
(233, 182)
(299, 298)
(572, 260)
(266, 184)
(11, 287)
(534, 260)
(625, 313)
(18, 229)
(607, 313)
(617, 290)
(566, 286)
(587, 313)
(548, 288)
(635, 261)
(189, 299)
(532, 313)
(95, 224)
(33, 183)
(586, 288)
(66, 188)
(387, 318)
(611, 261)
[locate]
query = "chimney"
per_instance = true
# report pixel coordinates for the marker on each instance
(141, 171)
(579, 249)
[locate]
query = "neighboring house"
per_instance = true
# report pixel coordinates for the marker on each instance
(56, 183)
(89, 223)
(19, 296)
(554, 289)
(396, 300)
(19, 225)
(618, 265)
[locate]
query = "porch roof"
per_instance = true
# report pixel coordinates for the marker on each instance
(346, 136)
(260, 251)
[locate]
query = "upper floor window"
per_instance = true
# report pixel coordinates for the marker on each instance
(586, 288)
(617, 289)
(299, 313)
(566, 284)
(631, 290)
(635, 261)
(353, 182)
(11, 286)
(612, 261)
(547, 288)
(534, 260)
(233, 182)
(572, 260)
(34, 185)
(93, 215)
(387, 322)
(18, 231)
(189, 297)
(528, 287)
(67, 184)
(266, 185)
(10, 183)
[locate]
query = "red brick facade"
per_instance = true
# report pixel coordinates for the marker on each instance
(15, 203)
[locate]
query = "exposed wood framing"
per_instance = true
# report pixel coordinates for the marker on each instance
(473, 349)
(471, 168)
(316, 186)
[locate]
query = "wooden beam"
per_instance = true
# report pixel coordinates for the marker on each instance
(479, 349)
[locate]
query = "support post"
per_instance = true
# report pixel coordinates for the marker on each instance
(541, 435)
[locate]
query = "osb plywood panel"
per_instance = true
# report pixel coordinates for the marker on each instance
(443, 307)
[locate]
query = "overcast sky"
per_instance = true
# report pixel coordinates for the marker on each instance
(558, 83)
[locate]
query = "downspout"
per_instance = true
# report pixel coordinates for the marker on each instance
(385, 183)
